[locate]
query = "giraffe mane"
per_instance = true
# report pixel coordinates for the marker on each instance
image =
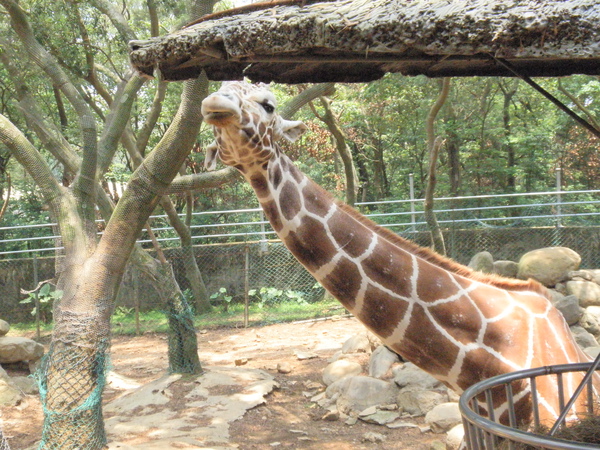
(444, 262)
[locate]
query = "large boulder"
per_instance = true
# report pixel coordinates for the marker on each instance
(483, 262)
(16, 349)
(443, 417)
(10, 394)
(340, 369)
(506, 268)
(549, 265)
(4, 327)
(570, 309)
(410, 375)
(381, 361)
(587, 292)
(418, 401)
(583, 337)
(355, 394)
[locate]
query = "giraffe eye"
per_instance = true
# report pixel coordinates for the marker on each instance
(268, 107)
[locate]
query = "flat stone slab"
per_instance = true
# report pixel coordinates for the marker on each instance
(177, 412)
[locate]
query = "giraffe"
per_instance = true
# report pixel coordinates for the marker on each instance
(459, 325)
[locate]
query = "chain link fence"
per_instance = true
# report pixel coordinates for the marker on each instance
(247, 282)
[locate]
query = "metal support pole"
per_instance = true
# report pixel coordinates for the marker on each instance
(246, 286)
(36, 296)
(413, 219)
(263, 236)
(558, 172)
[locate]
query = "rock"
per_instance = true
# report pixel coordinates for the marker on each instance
(4, 327)
(284, 367)
(359, 343)
(561, 288)
(549, 265)
(379, 417)
(592, 351)
(331, 416)
(305, 355)
(27, 385)
(10, 394)
(483, 262)
(454, 437)
(587, 292)
(587, 275)
(357, 393)
(374, 437)
(453, 396)
(340, 369)
(381, 361)
(417, 401)
(583, 338)
(16, 349)
(443, 417)
(506, 268)
(570, 309)
(410, 375)
(555, 295)
(437, 445)
(589, 322)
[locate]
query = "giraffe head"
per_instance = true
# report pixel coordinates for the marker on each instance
(246, 126)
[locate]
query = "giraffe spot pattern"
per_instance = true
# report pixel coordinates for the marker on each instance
(272, 214)
(260, 185)
(289, 200)
(355, 242)
(460, 318)
(387, 267)
(381, 312)
(434, 283)
(426, 345)
(344, 282)
(309, 244)
(314, 201)
(275, 175)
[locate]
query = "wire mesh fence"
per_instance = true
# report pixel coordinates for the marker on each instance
(248, 281)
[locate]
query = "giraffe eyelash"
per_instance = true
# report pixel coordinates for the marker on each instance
(268, 107)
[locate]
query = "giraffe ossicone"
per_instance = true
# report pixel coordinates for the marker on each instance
(460, 326)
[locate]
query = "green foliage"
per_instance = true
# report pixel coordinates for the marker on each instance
(268, 296)
(46, 296)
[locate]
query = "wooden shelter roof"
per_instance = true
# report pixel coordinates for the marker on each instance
(297, 41)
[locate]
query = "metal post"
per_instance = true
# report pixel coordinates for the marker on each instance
(263, 236)
(558, 172)
(246, 285)
(411, 184)
(36, 296)
(136, 296)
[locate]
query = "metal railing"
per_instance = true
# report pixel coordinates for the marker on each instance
(487, 433)
(552, 209)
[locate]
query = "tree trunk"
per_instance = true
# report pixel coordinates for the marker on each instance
(192, 272)
(433, 146)
(342, 147)
(509, 92)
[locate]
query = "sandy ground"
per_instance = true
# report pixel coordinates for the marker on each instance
(283, 418)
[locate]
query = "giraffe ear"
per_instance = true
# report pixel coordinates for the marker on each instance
(210, 159)
(292, 129)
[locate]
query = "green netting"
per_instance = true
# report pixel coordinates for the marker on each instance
(183, 354)
(71, 379)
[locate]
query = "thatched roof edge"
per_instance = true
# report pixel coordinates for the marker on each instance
(360, 40)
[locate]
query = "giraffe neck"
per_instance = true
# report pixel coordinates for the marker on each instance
(411, 304)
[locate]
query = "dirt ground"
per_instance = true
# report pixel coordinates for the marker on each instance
(287, 420)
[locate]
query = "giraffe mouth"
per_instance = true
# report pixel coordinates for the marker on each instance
(219, 118)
